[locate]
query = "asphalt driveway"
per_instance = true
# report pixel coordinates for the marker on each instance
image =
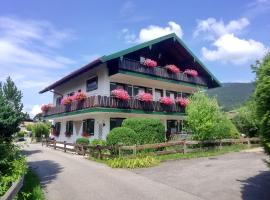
(232, 176)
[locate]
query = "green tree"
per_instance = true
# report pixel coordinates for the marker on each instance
(206, 120)
(262, 95)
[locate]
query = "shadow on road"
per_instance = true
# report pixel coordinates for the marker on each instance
(46, 170)
(30, 152)
(257, 187)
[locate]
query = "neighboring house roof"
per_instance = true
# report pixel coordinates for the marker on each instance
(119, 54)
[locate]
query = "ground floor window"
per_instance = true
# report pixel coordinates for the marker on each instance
(172, 126)
(69, 128)
(89, 126)
(115, 122)
(57, 129)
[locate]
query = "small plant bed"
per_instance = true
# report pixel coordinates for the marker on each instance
(31, 189)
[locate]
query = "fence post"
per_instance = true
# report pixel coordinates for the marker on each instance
(248, 143)
(134, 150)
(184, 147)
(119, 151)
(54, 146)
(65, 146)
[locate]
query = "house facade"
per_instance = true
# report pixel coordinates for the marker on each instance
(142, 69)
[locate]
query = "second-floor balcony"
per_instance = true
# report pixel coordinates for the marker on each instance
(135, 66)
(132, 104)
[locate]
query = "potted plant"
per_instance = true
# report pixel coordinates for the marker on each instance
(145, 97)
(85, 134)
(66, 101)
(191, 72)
(173, 69)
(80, 97)
(166, 101)
(149, 63)
(46, 107)
(120, 94)
(182, 101)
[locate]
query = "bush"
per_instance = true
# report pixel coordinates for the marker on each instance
(29, 127)
(147, 130)
(83, 141)
(123, 135)
(96, 142)
(21, 134)
(207, 121)
(40, 129)
(137, 162)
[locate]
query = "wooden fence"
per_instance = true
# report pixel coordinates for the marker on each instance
(183, 146)
(13, 190)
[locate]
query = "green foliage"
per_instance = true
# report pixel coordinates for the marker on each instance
(31, 189)
(122, 135)
(207, 121)
(96, 142)
(83, 141)
(262, 94)
(39, 129)
(246, 120)
(137, 162)
(12, 165)
(147, 130)
(232, 95)
(21, 134)
(29, 127)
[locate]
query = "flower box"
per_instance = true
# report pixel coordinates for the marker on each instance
(173, 69)
(182, 101)
(166, 100)
(145, 97)
(67, 100)
(79, 96)
(46, 107)
(85, 134)
(149, 63)
(120, 94)
(191, 72)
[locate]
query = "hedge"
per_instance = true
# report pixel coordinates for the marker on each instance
(123, 135)
(83, 141)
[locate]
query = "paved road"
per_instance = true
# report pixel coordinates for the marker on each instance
(232, 176)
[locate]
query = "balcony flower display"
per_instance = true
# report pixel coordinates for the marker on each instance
(146, 97)
(191, 72)
(173, 68)
(79, 96)
(150, 63)
(166, 100)
(182, 101)
(120, 94)
(46, 107)
(85, 134)
(67, 100)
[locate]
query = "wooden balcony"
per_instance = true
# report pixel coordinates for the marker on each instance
(132, 104)
(135, 66)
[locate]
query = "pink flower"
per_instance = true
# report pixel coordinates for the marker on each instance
(191, 72)
(166, 100)
(120, 94)
(150, 63)
(67, 100)
(182, 101)
(79, 96)
(146, 97)
(46, 107)
(173, 68)
(85, 134)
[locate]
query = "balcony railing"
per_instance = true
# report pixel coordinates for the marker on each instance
(112, 102)
(135, 66)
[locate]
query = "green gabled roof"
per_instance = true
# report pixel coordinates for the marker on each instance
(154, 41)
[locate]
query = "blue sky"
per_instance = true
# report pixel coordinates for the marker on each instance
(41, 41)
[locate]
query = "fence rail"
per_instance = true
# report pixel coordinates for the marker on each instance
(185, 146)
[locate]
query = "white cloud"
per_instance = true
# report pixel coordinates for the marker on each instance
(228, 47)
(35, 110)
(211, 28)
(234, 50)
(152, 32)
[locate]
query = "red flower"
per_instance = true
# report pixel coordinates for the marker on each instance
(120, 94)
(46, 107)
(85, 134)
(146, 97)
(79, 96)
(150, 63)
(67, 100)
(182, 101)
(166, 100)
(191, 72)
(173, 68)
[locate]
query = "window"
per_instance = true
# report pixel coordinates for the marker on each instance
(57, 128)
(171, 94)
(185, 95)
(58, 100)
(172, 126)
(69, 127)
(89, 126)
(158, 94)
(115, 122)
(92, 84)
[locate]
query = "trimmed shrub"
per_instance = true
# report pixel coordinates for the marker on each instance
(147, 130)
(122, 135)
(83, 141)
(137, 162)
(21, 134)
(96, 142)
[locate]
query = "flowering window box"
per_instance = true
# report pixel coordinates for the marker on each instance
(145, 97)
(120, 94)
(166, 101)
(85, 134)
(191, 72)
(80, 96)
(67, 100)
(173, 69)
(46, 107)
(182, 101)
(149, 63)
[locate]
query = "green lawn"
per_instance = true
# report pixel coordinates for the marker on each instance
(31, 189)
